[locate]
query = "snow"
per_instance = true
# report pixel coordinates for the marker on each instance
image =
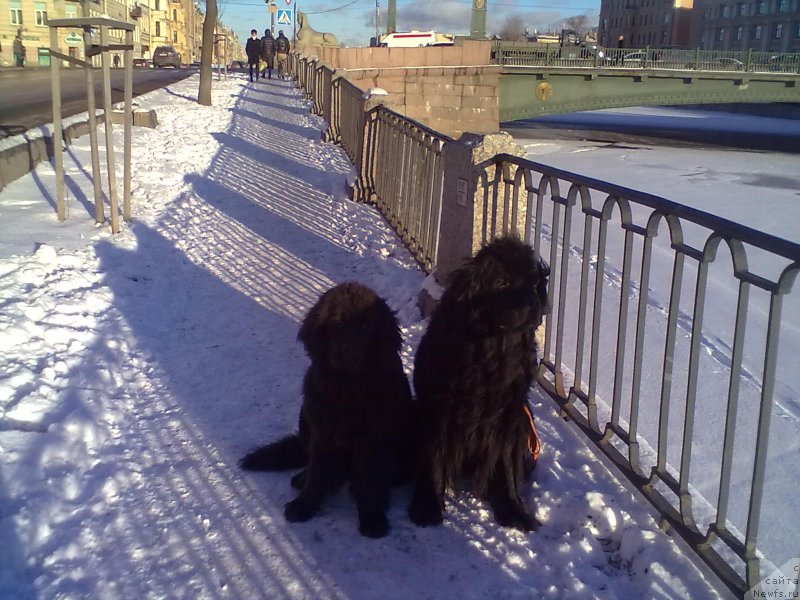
(136, 369)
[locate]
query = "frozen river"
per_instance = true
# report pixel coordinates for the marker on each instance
(757, 188)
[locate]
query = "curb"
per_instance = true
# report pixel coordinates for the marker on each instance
(22, 158)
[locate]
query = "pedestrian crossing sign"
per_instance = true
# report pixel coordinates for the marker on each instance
(284, 17)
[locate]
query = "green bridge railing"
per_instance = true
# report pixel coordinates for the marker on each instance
(522, 54)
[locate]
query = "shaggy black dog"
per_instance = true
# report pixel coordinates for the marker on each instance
(472, 372)
(355, 417)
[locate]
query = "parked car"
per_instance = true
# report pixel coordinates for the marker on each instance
(635, 59)
(726, 64)
(166, 56)
(141, 63)
(785, 63)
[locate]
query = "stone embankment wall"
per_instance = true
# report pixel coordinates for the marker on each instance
(451, 89)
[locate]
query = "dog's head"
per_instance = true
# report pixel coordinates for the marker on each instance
(350, 328)
(504, 287)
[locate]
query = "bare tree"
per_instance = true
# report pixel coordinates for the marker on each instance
(580, 23)
(206, 53)
(513, 29)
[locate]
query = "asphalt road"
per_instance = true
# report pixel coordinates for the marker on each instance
(26, 101)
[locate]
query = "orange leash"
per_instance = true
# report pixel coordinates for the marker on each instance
(534, 447)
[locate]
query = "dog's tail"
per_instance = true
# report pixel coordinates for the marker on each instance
(287, 453)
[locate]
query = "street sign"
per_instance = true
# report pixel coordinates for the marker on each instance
(284, 17)
(73, 39)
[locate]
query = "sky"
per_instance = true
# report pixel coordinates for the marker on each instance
(354, 22)
(137, 368)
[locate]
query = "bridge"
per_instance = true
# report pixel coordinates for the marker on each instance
(476, 85)
(535, 82)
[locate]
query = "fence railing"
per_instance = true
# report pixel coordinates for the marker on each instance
(398, 160)
(628, 353)
(552, 55)
(659, 347)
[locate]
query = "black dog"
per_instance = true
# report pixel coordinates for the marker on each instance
(472, 372)
(355, 417)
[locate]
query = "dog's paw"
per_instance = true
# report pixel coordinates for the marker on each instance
(374, 526)
(425, 513)
(516, 518)
(298, 511)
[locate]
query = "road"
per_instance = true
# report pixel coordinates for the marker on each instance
(25, 94)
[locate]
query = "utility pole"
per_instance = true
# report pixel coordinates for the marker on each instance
(377, 35)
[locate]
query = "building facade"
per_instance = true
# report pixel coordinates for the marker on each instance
(177, 23)
(760, 25)
(641, 23)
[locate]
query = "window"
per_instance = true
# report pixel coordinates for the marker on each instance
(778, 31)
(757, 32)
(781, 6)
(40, 12)
(739, 33)
(797, 30)
(175, 37)
(742, 9)
(70, 11)
(726, 11)
(762, 8)
(157, 5)
(158, 28)
(15, 12)
(174, 15)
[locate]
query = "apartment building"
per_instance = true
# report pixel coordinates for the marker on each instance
(760, 25)
(27, 20)
(641, 23)
(177, 23)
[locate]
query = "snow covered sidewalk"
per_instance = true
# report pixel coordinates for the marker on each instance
(136, 369)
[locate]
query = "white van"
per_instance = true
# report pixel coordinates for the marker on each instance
(415, 39)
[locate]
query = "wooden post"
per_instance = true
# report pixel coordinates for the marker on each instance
(55, 80)
(108, 120)
(91, 105)
(126, 198)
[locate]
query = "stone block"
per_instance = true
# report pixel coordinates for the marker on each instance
(478, 101)
(417, 100)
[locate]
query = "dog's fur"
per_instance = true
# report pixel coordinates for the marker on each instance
(472, 372)
(355, 416)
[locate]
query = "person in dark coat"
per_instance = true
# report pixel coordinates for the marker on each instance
(268, 52)
(253, 50)
(281, 52)
(19, 52)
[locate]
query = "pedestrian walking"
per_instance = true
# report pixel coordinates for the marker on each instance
(19, 52)
(116, 61)
(268, 53)
(253, 50)
(281, 52)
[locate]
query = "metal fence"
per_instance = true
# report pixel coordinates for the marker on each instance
(398, 160)
(523, 54)
(626, 352)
